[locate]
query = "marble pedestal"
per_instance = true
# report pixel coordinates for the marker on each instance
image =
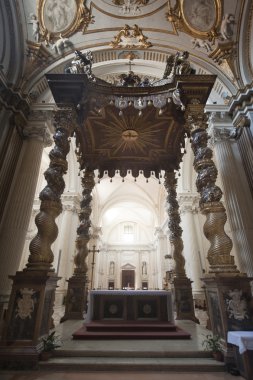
(183, 299)
(228, 301)
(76, 299)
(29, 318)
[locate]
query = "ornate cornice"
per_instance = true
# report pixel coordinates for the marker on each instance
(242, 101)
(37, 56)
(224, 55)
(13, 100)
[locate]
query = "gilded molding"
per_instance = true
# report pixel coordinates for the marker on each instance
(37, 56)
(62, 19)
(131, 38)
(131, 17)
(224, 55)
(186, 17)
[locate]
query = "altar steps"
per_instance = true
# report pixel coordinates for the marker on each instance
(183, 362)
(130, 330)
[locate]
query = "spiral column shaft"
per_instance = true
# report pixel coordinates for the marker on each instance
(182, 284)
(41, 256)
(218, 255)
(76, 300)
(175, 231)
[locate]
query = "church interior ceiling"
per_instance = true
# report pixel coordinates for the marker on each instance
(143, 31)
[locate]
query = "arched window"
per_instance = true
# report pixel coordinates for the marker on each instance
(128, 234)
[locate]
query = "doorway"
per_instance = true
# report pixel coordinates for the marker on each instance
(128, 277)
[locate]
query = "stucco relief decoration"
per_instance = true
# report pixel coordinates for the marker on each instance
(62, 18)
(199, 18)
(236, 305)
(130, 37)
(128, 7)
(25, 303)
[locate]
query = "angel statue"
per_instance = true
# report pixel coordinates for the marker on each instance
(178, 64)
(81, 64)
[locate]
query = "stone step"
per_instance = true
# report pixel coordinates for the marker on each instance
(90, 331)
(119, 327)
(132, 364)
(130, 353)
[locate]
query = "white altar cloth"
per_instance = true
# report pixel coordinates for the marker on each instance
(242, 339)
(137, 294)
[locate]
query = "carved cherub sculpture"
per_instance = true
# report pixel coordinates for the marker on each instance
(225, 29)
(36, 27)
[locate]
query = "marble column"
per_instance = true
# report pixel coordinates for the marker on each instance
(193, 266)
(95, 240)
(35, 285)
(237, 194)
(19, 207)
(224, 284)
(161, 250)
(64, 246)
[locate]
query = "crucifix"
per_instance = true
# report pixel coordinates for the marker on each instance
(93, 250)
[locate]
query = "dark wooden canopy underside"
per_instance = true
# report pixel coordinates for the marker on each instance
(109, 142)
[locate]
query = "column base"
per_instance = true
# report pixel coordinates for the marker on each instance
(19, 358)
(29, 317)
(76, 299)
(228, 301)
(184, 299)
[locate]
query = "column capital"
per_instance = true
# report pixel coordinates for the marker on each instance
(188, 199)
(159, 232)
(188, 208)
(222, 128)
(39, 126)
(68, 207)
(96, 232)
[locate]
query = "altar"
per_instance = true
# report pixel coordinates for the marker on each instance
(130, 306)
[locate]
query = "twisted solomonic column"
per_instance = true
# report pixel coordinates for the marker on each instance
(182, 284)
(218, 255)
(76, 300)
(175, 231)
(83, 229)
(41, 256)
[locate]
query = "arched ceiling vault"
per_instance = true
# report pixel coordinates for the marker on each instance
(155, 30)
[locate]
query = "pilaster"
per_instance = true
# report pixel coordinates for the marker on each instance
(188, 210)
(19, 208)
(224, 138)
(30, 309)
(227, 290)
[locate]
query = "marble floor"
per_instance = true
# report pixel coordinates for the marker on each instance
(147, 347)
(115, 376)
